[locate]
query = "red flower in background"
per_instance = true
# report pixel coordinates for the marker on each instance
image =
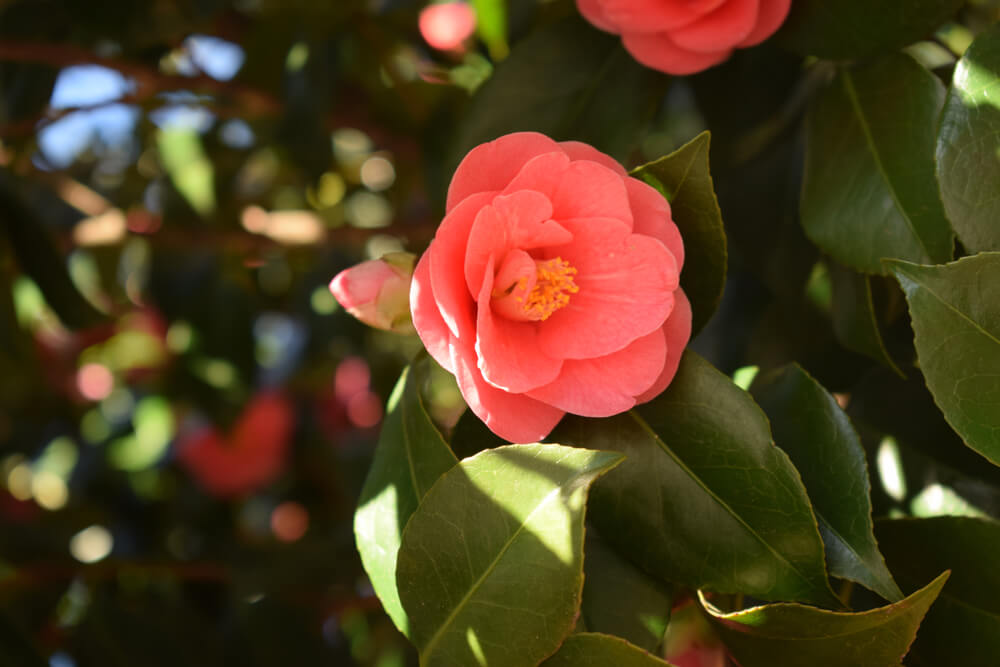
(251, 456)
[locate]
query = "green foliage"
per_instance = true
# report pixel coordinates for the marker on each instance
(591, 648)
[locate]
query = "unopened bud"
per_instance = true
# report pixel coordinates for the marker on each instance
(377, 292)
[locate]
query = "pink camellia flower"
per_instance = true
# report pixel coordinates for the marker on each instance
(446, 26)
(377, 292)
(686, 36)
(251, 456)
(551, 286)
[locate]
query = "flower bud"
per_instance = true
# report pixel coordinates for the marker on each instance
(446, 26)
(377, 292)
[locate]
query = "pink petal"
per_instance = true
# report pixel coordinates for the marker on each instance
(577, 150)
(772, 15)
(509, 356)
(447, 258)
(513, 417)
(593, 11)
(724, 28)
(651, 213)
(677, 329)
(655, 15)
(658, 51)
(490, 167)
(580, 189)
(519, 220)
(508, 302)
(427, 320)
(447, 25)
(626, 286)
(607, 385)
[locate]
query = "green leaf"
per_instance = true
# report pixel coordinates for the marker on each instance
(411, 456)
(793, 635)
(816, 434)
(847, 29)
(956, 319)
(855, 321)
(968, 145)
(569, 81)
(704, 497)
(490, 569)
(685, 178)
(869, 190)
(963, 627)
(620, 600)
(592, 649)
(491, 26)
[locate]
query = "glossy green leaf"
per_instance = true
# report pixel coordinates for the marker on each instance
(816, 434)
(963, 626)
(848, 29)
(411, 456)
(704, 498)
(869, 190)
(621, 600)
(793, 635)
(968, 145)
(592, 649)
(685, 178)
(855, 321)
(956, 319)
(569, 81)
(490, 570)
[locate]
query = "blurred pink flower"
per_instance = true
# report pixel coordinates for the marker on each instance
(686, 36)
(377, 291)
(551, 286)
(446, 26)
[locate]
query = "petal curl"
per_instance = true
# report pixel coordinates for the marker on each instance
(427, 320)
(772, 14)
(651, 213)
(490, 167)
(655, 15)
(607, 385)
(724, 28)
(658, 51)
(677, 330)
(577, 150)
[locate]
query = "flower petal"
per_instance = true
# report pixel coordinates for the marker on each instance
(607, 385)
(626, 286)
(490, 167)
(427, 320)
(658, 51)
(772, 15)
(508, 352)
(577, 150)
(724, 28)
(653, 15)
(514, 417)
(651, 213)
(677, 330)
(581, 189)
(447, 258)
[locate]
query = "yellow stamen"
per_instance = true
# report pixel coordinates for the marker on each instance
(554, 284)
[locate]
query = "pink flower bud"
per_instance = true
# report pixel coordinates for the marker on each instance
(377, 292)
(446, 26)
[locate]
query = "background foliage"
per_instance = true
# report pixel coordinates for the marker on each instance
(187, 419)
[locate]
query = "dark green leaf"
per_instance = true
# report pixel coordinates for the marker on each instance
(490, 570)
(793, 635)
(869, 189)
(569, 81)
(956, 319)
(968, 145)
(591, 649)
(411, 456)
(620, 600)
(685, 178)
(963, 627)
(844, 29)
(855, 321)
(704, 498)
(816, 434)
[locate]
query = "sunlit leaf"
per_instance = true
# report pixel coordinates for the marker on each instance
(591, 649)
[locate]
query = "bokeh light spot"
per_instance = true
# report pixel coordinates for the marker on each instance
(322, 301)
(352, 377)
(49, 490)
(289, 521)
(364, 409)
(94, 382)
(91, 544)
(377, 173)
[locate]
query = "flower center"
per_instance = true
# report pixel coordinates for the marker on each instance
(553, 285)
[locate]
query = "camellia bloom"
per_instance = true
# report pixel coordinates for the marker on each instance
(446, 26)
(250, 457)
(551, 286)
(686, 36)
(377, 291)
